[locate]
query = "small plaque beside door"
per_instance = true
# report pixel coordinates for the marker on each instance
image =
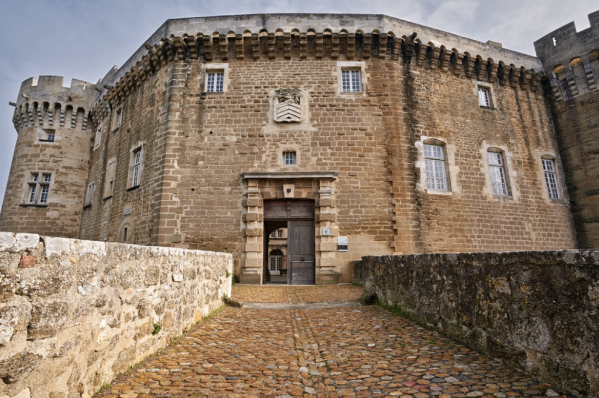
(326, 231)
(342, 244)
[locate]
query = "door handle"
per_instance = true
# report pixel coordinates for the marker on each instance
(302, 259)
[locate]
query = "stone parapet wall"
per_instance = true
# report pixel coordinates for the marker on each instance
(538, 311)
(75, 313)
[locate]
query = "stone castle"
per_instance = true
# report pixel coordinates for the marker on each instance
(357, 134)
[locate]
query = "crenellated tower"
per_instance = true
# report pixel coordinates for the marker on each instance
(46, 184)
(571, 60)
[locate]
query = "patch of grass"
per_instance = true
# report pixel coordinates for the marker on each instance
(395, 309)
(357, 284)
(156, 329)
(228, 273)
(105, 386)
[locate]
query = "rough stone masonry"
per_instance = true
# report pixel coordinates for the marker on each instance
(538, 311)
(75, 313)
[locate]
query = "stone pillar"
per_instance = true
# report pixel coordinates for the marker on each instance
(327, 271)
(253, 250)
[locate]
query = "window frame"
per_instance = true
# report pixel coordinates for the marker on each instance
(501, 168)
(278, 262)
(135, 169)
(547, 174)
(211, 88)
(490, 95)
(435, 160)
(109, 179)
(118, 118)
(37, 191)
(350, 72)
(285, 158)
(89, 194)
(98, 136)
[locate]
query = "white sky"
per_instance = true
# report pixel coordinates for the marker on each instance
(84, 39)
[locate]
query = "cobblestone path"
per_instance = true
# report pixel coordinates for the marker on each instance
(324, 352)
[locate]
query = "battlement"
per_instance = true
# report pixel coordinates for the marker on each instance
(41, 102)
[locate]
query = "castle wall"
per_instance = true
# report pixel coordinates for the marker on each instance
(571, 61)
(74, 314)
(196, 145)
(41, 109)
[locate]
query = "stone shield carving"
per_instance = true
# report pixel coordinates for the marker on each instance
(288, 105)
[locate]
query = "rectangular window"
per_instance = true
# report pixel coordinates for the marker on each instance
(276, 263)
(280, 233)
(118, 117)
(89, 195)
(289, 158)
(214, 82)
(98, 137)
(483, 97)
(110, 177)
(497, 170)
(351, 81)
(551, 178)
(272, 234)
(136, 168)
(436, 174)
(38, 188)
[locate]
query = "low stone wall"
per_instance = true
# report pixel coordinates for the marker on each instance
(75, 313)
(538, 311)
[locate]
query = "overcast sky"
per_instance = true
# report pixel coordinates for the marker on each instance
(84, 39)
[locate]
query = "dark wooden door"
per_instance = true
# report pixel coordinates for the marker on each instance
(300, 252)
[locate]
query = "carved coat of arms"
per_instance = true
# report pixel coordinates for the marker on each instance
(288, 105)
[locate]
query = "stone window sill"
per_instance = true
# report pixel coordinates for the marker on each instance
(32, 205)
(106, 198)
(133, 188)
(87, 206)
(40, 140)
(488, 108)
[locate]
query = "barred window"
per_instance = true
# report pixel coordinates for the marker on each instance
(484, 99)
(551, 178)
(38, 188)
(289, 158)
(351, 81)
(497, 169)
(214, 82)
(436, 174)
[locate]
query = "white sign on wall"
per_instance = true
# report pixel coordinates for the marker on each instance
(342, 243)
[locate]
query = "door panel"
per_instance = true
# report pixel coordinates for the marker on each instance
(300, 252)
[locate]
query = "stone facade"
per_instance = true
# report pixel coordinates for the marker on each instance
(538, 311)
(571, 61)
(73, 314)
(208, 161)
(53, 140)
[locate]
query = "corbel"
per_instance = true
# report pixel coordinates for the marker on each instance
(588, 73)
(572, 84)
(255, 46)
(492, 71)
(444, 60)
(383, 45)
(469, 65)
(271, 46)
(503, 74)
(239, 46)
(515, 77)
(557, 94)
(397, 42)
(536, 81)
(525, 77)
(420, 53)
(480, 69)
(335, 46)
(319, 45)
(366, 47)
(190, 43)
(223, 42)
(351, 45)
(457, 62)
(433, 60)
(207, 47)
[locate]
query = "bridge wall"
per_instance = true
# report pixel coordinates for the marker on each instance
(538, 311)
(75, 313)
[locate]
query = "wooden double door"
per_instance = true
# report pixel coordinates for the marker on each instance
(299, 216)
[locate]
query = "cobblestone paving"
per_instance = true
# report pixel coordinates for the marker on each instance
(331, 352)
(296, 294)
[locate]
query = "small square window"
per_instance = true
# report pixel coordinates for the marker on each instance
(484, 97)
(215, 82)
(351, 81)
(289, 158)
